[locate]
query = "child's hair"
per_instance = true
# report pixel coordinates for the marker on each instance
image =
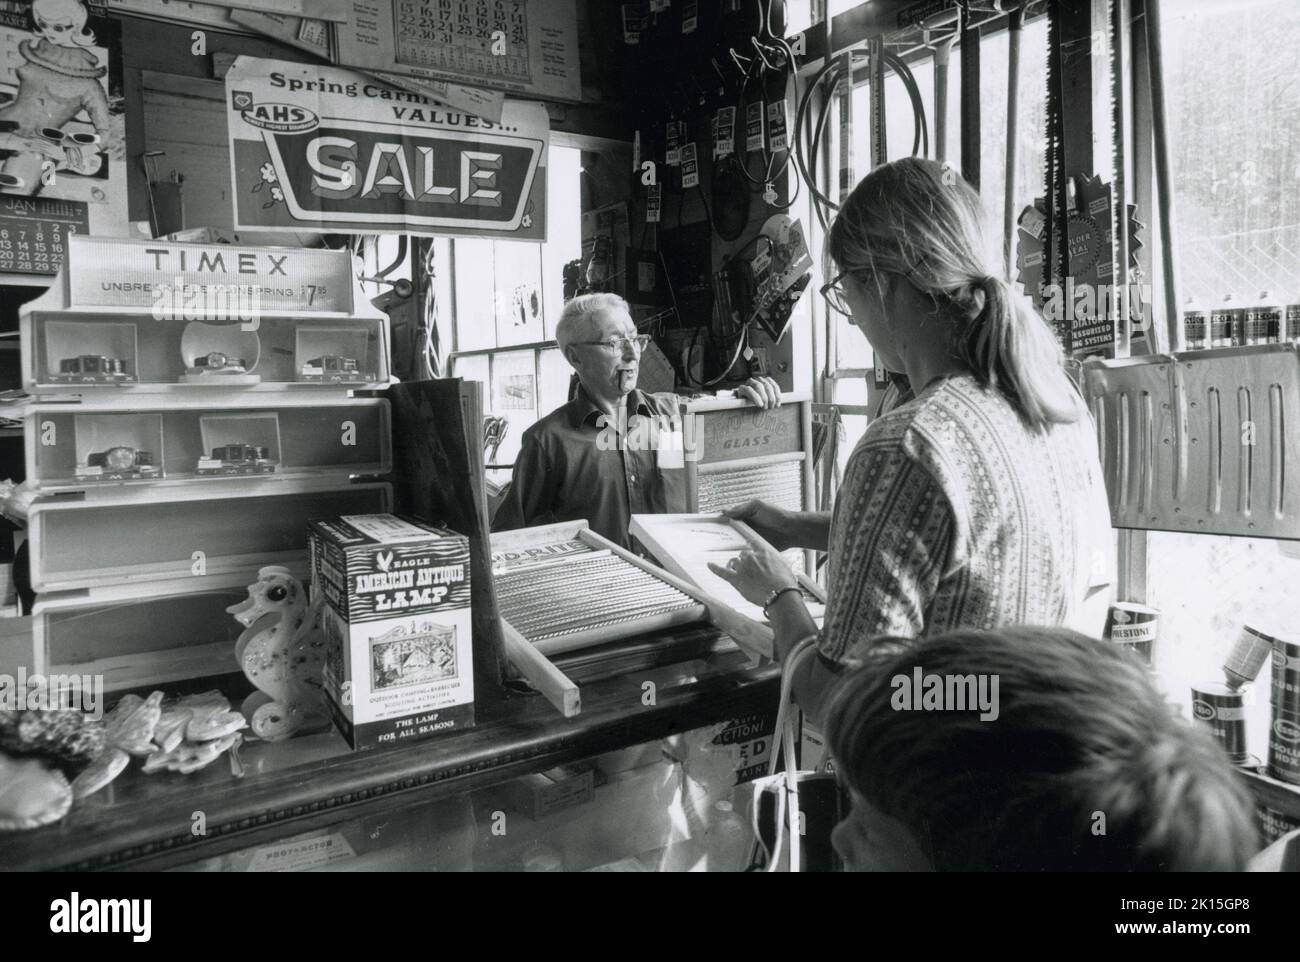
(1084, 768)
(71, 12)
(919, 219)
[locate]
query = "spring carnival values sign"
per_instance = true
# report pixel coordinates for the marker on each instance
(325, 149)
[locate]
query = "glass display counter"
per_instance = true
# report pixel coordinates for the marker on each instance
(524, 790)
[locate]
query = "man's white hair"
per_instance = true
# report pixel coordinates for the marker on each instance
(575, 319)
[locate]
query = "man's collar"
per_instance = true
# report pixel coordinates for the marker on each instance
(588, 412)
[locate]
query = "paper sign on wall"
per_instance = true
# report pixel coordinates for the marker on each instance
(62, 130)
(325, 149)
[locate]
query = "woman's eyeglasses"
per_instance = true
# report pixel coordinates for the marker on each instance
(834, 294)
(619, 344)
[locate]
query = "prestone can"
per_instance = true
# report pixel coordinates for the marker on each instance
(1134, 626)
(1247, 657)
(1284, 747)
(1223, 711)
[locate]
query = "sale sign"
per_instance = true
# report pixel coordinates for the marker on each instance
(326, 149)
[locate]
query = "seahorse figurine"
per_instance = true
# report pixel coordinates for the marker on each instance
(281, 651)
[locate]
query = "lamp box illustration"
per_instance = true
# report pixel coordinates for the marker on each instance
(399, 656)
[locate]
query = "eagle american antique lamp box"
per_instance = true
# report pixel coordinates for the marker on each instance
(399, 662)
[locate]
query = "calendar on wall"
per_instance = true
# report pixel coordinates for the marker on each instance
(455, 35)
(520, 46)
(34, 233)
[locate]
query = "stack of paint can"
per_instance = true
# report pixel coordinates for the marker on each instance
(1284, 729)
(1237, 321)
(1222, 707)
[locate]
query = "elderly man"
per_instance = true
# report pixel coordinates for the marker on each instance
(572, 465)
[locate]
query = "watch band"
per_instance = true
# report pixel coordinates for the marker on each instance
(777, 593)
(216, 360)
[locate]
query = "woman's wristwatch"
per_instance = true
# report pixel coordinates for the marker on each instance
(776, 593)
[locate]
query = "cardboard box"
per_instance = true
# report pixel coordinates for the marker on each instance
(399, 662)
(540, 794)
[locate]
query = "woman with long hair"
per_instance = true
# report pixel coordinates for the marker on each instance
(979, 503)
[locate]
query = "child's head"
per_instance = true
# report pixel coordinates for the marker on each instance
(1084, 767)
(62, 22)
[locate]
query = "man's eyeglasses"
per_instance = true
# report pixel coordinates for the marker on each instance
(835, 296)
(620, 344)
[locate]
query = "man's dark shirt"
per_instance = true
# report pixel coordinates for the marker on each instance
(570, 467)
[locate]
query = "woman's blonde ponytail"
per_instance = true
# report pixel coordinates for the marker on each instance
(918, 218)
(1008, 347)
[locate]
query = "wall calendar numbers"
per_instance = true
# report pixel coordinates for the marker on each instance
(34, 233)
(457, 35)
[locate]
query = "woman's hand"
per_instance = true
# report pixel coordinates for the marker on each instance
(774, 525)
(756, 573)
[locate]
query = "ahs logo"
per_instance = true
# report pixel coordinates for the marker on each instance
(384, 560)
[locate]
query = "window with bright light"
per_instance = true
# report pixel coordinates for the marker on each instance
(1234, 126)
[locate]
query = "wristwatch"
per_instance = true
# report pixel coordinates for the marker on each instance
(777, 593)
(121, 458)
(332, 363)
(91, 364)
(216, 361)
(241, 452)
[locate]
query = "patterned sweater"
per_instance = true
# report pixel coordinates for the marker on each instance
(955, 514)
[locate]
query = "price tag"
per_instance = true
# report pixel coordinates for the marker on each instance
(724, 141)
(776, 125)
(673, 137)
(754, 126)
(653, 202)
(690, 166)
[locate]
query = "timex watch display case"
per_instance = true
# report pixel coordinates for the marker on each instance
(213, 395)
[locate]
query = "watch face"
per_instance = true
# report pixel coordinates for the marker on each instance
(119, 459)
